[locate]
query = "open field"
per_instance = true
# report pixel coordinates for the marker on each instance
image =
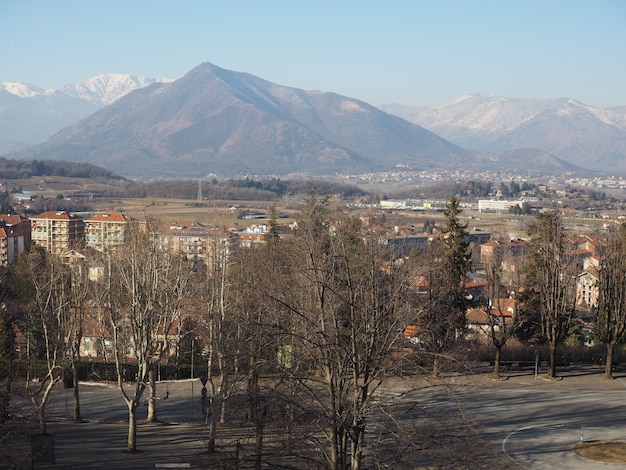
(218, 211)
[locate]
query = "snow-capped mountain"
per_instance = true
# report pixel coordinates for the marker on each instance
(109, 87)
(30, 115)
(21, 90)
(587, 136)
(102, 89)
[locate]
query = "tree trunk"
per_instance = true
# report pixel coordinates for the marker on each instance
(259, 443)
(40, 407)
(132, 428)
(43, 427)
(77, 415)
(211, 415)
(608, 368)
(152, 412)
(436, 368)
(223, 396)
(552, 366)
(335, 463)
(253, 388)
(358, 441)
(496, 362)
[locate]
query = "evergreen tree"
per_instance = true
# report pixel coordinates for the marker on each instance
(444, 315)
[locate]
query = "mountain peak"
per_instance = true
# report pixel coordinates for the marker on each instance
(580, 134)
(216, 121)
(109, 87)
(21, 90)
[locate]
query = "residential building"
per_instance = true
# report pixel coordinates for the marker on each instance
(404, 243)
(587, 288)
(252, 235)
(105, 231)
(194, 240)
(504, 252)
(478, 320)
(57, 231)
(14, 237)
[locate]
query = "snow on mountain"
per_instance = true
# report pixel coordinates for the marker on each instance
(109, 87)
(102, 89)
(490, 113)
(30, 115)
(581, 134)
(21, 90)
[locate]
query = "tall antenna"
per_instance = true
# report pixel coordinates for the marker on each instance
(200, 191)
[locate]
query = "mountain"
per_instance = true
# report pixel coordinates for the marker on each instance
(583, 135)
(106, 88)
(216, 121)
(30, 115)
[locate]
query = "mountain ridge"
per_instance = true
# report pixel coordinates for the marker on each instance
(217, 121)
(29, 114)
(584, 135)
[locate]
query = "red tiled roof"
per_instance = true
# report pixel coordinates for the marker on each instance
(107, 217)
(476, 315)
(56, 215)
(10, 219)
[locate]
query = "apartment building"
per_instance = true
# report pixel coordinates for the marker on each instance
(500, 251)
(105, 231)
(195, 241)
(14, 237)
(587, 289)
(57, 231)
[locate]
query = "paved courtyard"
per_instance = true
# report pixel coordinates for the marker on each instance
(531, 422)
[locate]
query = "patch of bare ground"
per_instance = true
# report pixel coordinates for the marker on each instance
(602, 451)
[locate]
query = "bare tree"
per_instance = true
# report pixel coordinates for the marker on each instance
(502, 322)
(551, 276)
(77, 303)
(144, 291)
(610, 324)
(8, 357)
(341, 325)
(50, 282)
(218, 336)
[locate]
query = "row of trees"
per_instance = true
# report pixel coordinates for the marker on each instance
(311, 323)
(322, 311)
(545, 294)
(20, 169)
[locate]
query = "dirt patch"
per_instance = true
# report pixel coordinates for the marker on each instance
(602, 451)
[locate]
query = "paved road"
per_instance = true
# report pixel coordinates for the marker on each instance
(535, 422)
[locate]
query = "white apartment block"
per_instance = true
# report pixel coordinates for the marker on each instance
(106, 230)
(58, 231)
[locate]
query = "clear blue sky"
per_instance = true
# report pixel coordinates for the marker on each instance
(418, 52)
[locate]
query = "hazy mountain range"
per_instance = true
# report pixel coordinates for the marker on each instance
(215, 121)
(587, 136)
(30, 115)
